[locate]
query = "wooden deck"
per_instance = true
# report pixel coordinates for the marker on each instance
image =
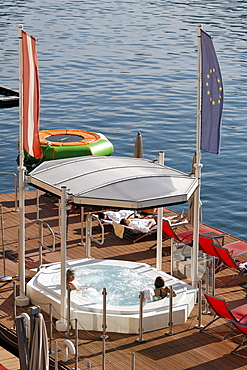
(188, 348)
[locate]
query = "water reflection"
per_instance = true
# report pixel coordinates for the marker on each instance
(129, 66)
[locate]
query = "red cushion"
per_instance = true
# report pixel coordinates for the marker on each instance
(3, 367)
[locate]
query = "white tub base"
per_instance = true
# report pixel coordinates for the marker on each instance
(120, 319)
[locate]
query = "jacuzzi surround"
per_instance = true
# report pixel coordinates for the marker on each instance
(43, 289)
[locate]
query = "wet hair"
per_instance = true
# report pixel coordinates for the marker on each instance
(159, 282)
(70, 273)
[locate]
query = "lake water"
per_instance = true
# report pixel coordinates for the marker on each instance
(119, 67)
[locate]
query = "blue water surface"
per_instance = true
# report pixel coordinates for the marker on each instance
(119, 67)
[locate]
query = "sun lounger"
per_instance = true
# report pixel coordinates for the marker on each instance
(134, 234)
(243, 329)
(220, 307)
(238, 267)
(186, 236)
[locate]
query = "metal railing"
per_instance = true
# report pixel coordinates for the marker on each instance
(89, 236)
(15, 187)
(41, 238)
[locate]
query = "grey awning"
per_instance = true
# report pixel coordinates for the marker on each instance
(120, 182)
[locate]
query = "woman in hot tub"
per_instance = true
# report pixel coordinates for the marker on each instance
(160, 289)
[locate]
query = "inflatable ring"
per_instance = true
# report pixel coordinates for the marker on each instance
(46, 137)
(60, 144)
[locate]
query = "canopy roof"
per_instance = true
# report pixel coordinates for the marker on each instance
(121, 182)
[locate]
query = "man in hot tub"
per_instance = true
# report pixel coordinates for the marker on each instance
(70, 279)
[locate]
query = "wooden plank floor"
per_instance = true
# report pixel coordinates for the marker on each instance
(186, 349)
(8, 360)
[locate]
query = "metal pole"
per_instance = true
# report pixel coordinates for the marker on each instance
(104, 353)
(68, 312)
(76, 346)
(170, 332)
(14, 305)
(3, 278)
(22, 299)
(40, 244)
(213, 276)
(199, 325)
(206, 310)
(50, 314)
(198, 165)
(159, 227)
(104, 326)
(82, 227)
(172, 255)
(37, 203)
(59, 217)
(56, 355)
(89, 365)
(133, 361)
(61, 324)
(15, 185)
(88, 235)
(141, 339)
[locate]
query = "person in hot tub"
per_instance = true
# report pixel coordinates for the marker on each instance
(70, 279)
(160, 289)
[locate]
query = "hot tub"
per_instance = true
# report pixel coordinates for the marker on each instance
(44, 288)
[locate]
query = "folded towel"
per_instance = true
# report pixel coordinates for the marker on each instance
(118, 229)
(148, 294)
(243, 266)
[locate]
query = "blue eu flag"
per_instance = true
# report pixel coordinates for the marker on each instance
(212, 97)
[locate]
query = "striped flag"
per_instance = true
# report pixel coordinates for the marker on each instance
(212, 97)
(30, 96)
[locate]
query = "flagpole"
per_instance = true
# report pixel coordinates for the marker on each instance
(159, 226)
(198, 166)
(21, 300)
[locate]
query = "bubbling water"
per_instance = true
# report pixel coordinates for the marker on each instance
(122, 284)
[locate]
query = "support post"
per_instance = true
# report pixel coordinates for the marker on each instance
(21, 300)
(37, 204)
(82, 227)
(199, 325)
(104, 325)
(159, 227)
(104, 353)
(206, 310)
(61, 324)
(88, 235)
(76, 346)
(14, 306)
(198, 165)
(68, 312)
(56, 355)
(141, 339)
(50, 341)
(132, 361)
(170, 332)
(213, 275)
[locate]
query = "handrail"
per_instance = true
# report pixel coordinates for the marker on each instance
(50, 229)
(41, 244)
(15, 186)
(102, 231)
